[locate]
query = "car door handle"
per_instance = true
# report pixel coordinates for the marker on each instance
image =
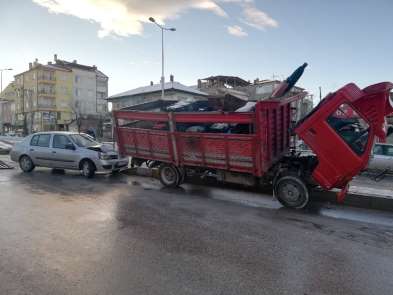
(53, 152)
(31, 150)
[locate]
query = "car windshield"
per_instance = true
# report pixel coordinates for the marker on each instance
(83, 140)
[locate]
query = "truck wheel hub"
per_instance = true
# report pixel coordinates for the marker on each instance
(291, 192)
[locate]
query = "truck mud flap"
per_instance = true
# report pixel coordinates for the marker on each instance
(341, 194)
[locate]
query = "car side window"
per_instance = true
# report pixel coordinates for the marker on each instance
(43, 140)
(60, 141)
(34, 140)
(389, 151)
(378, 150)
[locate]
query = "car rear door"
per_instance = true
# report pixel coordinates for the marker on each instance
(39, 149)
(61, 157)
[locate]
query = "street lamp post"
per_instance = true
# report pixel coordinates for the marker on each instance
(1, 78)
(162, 53)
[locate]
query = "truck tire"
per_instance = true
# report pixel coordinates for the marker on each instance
(169, 175)
(291, 192)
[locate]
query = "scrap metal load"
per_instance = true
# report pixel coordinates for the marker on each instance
(340, 131)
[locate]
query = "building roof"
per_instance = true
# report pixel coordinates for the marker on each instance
(48, 66)
(176, 86)
(75, 65)
(228, 79)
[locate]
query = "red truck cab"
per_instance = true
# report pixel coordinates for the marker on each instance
(341, 131)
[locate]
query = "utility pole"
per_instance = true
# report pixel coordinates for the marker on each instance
(162, 54)
(320, 93)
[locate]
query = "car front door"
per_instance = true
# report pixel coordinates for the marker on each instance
(388, 153)
(63, 153)
(378, 159)
(39, 150)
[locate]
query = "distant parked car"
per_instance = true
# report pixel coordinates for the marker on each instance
(66, 150)
(381, 157)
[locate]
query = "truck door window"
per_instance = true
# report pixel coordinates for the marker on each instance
(351, 127)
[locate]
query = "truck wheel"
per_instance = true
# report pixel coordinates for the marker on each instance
(26, 164)
(291, 192)
(169, 175)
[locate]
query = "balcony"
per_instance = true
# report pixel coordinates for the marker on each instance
(46, 79)
(46, 93)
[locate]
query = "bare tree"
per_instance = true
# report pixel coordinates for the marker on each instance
(75, 107)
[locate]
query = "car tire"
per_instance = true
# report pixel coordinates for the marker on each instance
(115, 172)
(26, 164)
(88, 168)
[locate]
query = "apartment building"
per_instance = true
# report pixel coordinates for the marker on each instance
(53, 96)
(90, 87)
(44, 96)
(7, 108)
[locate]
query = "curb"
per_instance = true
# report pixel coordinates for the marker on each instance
(376, 202)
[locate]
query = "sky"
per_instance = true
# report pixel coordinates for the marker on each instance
(342, 41)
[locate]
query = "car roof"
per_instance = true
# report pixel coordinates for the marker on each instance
(384, 143)
(57, 132)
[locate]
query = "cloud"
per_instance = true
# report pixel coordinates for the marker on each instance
(126, 17)
(257, 18)
(236, 31)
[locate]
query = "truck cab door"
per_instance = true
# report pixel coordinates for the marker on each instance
(341, 132)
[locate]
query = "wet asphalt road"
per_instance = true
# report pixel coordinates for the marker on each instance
(63, 234)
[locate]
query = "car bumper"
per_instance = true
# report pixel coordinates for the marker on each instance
(111, 165)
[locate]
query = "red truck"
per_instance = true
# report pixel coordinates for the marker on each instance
(340, 131)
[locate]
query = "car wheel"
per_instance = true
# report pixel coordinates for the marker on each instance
(88, 169)
(26, 164)
(115, 172)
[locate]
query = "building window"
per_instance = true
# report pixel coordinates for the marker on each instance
(77, 79)
(77, 92)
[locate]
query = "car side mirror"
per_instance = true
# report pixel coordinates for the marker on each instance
(70, 146)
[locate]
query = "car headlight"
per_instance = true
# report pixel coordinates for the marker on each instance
(103, 156)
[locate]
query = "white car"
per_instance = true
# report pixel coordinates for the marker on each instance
(66, 150)
(381, 157)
